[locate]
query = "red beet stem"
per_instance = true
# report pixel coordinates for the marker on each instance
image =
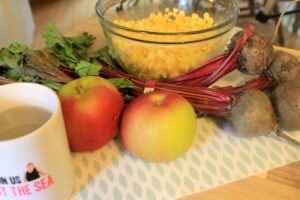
(198, 77)
(197, 92)
(5, 81)
(259, 82)
(68, 71)
(59, 74)
(208, 100)
(227, 65)
(203, 70)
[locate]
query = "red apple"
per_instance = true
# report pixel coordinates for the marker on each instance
(158, 126)
(91, 107)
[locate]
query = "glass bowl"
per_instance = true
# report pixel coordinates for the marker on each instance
(155, 50)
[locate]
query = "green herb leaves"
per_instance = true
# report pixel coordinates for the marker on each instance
(121, 83)
(52, 84)
(69, 50)
(16, 48)
(104, 55)
(87, 69)
(11, 59)
(12, 55)
(72, 51)
(57, 45)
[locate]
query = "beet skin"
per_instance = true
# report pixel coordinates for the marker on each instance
(285, 67)
(286, 101)
(252, 115)
(256, 54)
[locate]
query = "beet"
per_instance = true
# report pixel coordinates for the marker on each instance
(286, 102)
(285, 67)
(252, 114)
(256, 54)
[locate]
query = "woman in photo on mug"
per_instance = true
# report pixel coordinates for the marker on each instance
(32, 172)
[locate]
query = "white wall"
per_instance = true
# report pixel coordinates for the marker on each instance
(16, 22)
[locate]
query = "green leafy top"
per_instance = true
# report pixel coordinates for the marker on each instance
(104, 55)
(121, 83)
(70, 50)
(87, 69)
(12, 55)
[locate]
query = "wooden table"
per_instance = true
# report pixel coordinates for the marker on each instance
(281, 183)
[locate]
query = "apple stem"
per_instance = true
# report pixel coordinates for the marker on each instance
(158, 100)
(79, 89)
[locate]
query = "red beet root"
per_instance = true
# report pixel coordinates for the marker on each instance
(252, 114)
(286, 101)
(285, 67)
(256, 54)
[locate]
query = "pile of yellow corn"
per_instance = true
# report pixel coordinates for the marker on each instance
(147, 58)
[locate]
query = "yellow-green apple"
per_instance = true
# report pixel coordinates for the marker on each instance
(158, 126)
(91, 107)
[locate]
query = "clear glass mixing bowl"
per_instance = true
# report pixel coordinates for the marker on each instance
(164, 55)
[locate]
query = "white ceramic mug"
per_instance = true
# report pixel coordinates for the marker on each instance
(45, 149)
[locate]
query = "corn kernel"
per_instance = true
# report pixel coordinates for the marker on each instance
(195, 16)
(182, 13)
(152, 15)
(158, 61)
(206, 16)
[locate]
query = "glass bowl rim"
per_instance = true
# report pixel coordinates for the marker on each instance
(228, 21)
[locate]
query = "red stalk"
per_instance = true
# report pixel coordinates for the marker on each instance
(259, 82)
(212, 101)
(5, 81)
(203, 70)
(226, 67)
(57, 74)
